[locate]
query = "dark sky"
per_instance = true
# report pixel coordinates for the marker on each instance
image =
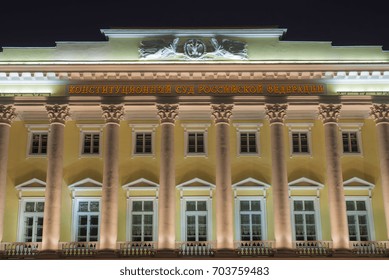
(41, 23)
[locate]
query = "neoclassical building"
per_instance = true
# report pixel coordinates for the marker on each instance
(194, 143)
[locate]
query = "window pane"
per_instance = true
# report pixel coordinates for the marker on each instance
(245, 218)
(298, 205)
(191, 142)
(137, 206)
(200, 142)
(350, 206)
(148, 219)
(139, 143)
(148, 205)
(309, 205)
(201, 206)
(94, 220)
(40, 206)
(298, 219)
(94, 206)
(83, 206)
(191, 206)
(256, 219)
(30, 207)
(255, 205)
(243, 143)
(245, 206)
(136, 219)
(252, 143)
(361, 205)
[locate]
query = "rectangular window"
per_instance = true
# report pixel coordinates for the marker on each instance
(91, 143)
(358, 220)
(32, 219)
(142, 219)
(248, 143)
(38, 145)
(350, 142)
(196, 220)
(196, 143)
(300, 142)
(304, 218)
(143, 143)
(250, 214)
(87, 220)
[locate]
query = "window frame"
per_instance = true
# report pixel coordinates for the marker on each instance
(300, 128)
(369, 214)
(262, 200)
(36, 129)
(75, 216)
(248, 128)
(22, 214)
(195, 128)
(90, 129)
(130, 201)
(351, 128)
(183, 211)
(142, 128)
(316, 205)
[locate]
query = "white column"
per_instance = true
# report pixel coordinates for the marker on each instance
(281, 205)
(167, 179)
(52, 213)
(224, 198)
(380, 113)
(112, 115)
(7, 114)
(334, 177)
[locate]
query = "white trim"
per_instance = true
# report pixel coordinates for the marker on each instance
(26, 187)
(262, 200)
(300, 128)
(75, 214)
(199, 185)
(347, 128)
(195, 128)
(142, 128)
(369, 210)
(248, 128)
(361, 185)
(141, 184)
(41, 131)
(311, 186)
(250, 184)
(21, 214)
(90, 129)
(209, 214)
(79, 186)
(316, 205)
(129, 216)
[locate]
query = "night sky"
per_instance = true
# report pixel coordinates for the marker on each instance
(39, 23)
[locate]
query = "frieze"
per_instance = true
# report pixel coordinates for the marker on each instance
(193, 49)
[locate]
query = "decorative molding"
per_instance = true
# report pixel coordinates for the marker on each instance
(87, 184)
(167, 112)
(329, 113)
(222, 112)
(58, 113)
(113, 113)
(141, 184)
(32, 185)
(276, 113)
(7, 114)
(380, 113)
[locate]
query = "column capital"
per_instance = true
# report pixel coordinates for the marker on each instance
(167, 112)
(380, 113)
(276, 113)
(222, 112)
(7, 114)
(58, 113)
(113, 113)
(329, 113)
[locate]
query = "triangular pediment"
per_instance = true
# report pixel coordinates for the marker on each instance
(250, 183)
(86, 184)
(196, 184)
(31, 185)
(356, 183)
(304, 183)
(141, 184)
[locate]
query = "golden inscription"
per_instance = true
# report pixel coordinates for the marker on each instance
(199, 89)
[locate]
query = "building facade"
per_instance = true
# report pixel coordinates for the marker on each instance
(194, 143)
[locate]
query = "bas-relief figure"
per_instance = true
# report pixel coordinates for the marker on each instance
(193, 49)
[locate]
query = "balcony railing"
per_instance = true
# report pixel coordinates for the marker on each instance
(137, 249)
(370, 248)
(20, 249)
(78, 249)
(196, 248)
(313, 248)
(255, 248)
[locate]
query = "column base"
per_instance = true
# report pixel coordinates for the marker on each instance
(226, 254)
(107, 254)
(48, 255)
(168, 254)
(285, 253)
